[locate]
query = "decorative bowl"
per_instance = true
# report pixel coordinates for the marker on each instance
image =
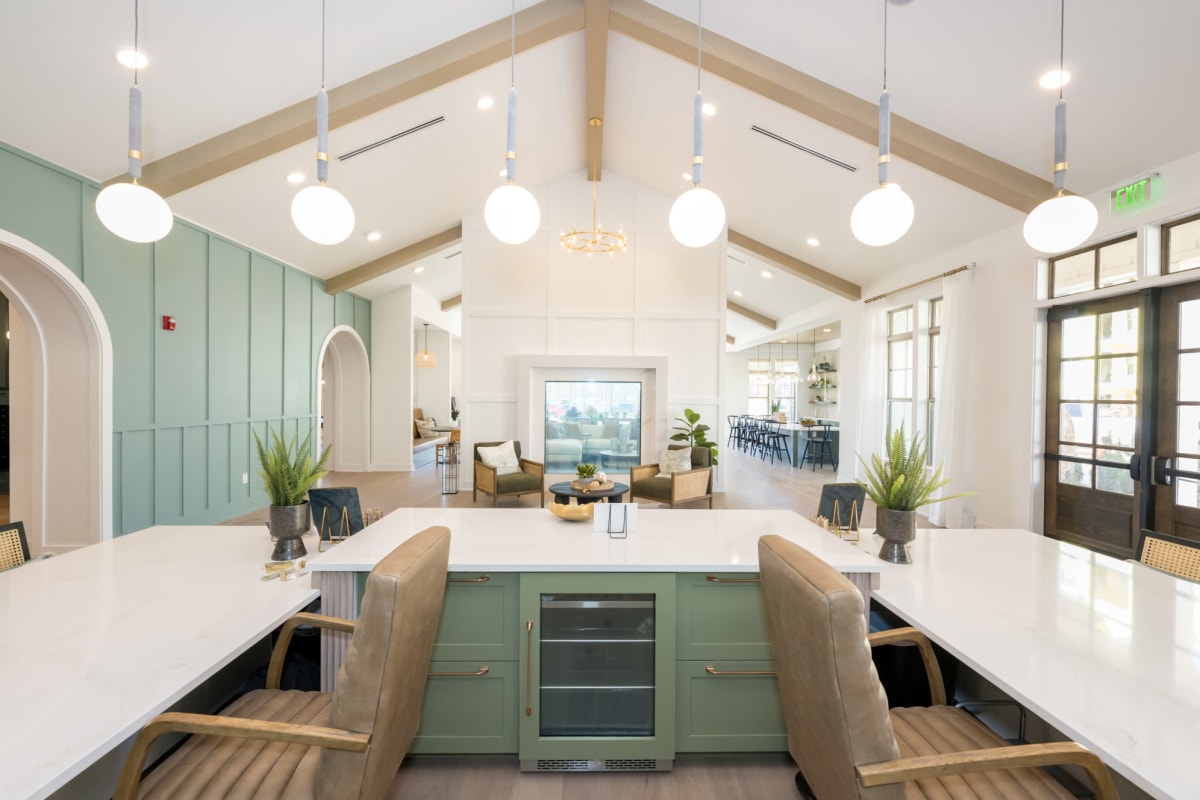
(572, 513)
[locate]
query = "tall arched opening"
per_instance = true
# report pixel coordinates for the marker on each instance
(344, 400)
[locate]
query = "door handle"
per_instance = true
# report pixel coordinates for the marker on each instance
(1160, 471)
(1135, 467)
(529, 668)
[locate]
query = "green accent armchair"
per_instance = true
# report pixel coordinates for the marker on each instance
(682, 487)
(530, 480)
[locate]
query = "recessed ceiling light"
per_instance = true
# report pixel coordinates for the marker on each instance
(1054, 79)
(766, 274)
(813, 242)
(687, 176)
(783, 341)
(295, 177)
(485, 102)
(504, 172)
(418, 270)
(826, 330)
(374, 236)
(709, 109)
(736, 293)
(132, 59)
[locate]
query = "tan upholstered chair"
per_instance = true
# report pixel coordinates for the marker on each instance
(530, 480)
(1180, 557)
(346, 744)
(681, 487)
(846, 742)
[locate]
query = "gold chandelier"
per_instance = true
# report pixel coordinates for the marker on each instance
(594, 240)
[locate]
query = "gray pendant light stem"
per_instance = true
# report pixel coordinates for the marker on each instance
(698, 107)
(135, 107)
(885, 111)
(322, 114)
(510, 153)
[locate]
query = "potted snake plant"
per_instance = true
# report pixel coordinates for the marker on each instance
(288, 472)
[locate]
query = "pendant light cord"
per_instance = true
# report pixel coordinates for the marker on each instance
(885, 27)
(699, 38)
(137, 54)
(1062, 38)
(512, 56)
(322, 45)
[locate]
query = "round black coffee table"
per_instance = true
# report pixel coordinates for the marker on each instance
(563, 492)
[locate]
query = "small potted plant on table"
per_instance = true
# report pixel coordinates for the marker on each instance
(288, 472)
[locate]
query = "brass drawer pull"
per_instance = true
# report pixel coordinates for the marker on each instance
(714, 579)
(481, 671)
(529, 668)
(711, 670)
(484, 578)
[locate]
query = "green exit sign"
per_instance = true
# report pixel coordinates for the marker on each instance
(1132, 195)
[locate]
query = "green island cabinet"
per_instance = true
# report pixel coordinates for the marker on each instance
(567, 668)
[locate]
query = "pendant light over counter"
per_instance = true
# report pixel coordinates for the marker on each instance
(511, 212)
(425, 358)
(1064, 221)
(884, 215)
(320, 212)
(130, 210)
(698, 215)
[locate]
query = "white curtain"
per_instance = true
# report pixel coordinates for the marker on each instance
(950, 409)
(872, 381)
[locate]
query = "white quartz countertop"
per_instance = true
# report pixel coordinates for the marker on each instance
(100, 640)
(1105, 650)
(534, 540)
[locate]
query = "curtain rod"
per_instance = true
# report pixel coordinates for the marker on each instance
(946, 274)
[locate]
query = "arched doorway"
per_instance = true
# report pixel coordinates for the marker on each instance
(60, 401)
(343, 400)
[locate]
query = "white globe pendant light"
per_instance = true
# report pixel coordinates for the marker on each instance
(130, 210)
(697, 216)
(1064, 221)
(885, 214)
(322, 214)
(511, 212)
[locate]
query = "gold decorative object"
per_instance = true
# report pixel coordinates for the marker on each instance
(572, 513)
(850, 532)
(594, 240)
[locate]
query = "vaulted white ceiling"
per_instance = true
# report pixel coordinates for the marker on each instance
(966, 70)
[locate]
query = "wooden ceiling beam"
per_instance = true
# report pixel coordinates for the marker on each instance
(453, 302)
(729, 339)
(595, 13)
(392, 261)
(384, 88)
(752, 315)
(793, 265)
(825, 103)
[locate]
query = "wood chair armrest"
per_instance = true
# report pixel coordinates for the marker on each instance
(933, 672)
(642, 471)
(485, 477)
(279, 652)
(690, 484)
(238, 727)
(1025, 755)
(533, 467)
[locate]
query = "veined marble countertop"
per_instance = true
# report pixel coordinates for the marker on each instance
(534, 540)
(1105, 650)
(96, 642)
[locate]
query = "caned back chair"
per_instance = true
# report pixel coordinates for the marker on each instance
(14, 548)
(1178, 556)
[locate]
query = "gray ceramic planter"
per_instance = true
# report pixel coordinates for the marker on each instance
(288, 524)
(897, 529)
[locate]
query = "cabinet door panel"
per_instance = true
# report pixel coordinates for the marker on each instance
(721, 620)
(728, 713)
(469, 713)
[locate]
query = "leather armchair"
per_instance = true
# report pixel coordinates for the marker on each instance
(530, 480)
(347, 743)
(840, 731)
(681, 487)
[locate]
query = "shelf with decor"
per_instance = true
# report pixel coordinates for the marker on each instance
(822, 384)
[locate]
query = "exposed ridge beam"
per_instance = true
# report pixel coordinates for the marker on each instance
(595, 13)
(825, 103)
(392, 261)
(793, 265)
(453, 302)
(384, 88)
(752, 315)
(729, 339)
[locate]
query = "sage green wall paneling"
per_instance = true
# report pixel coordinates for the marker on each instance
(195, 472)
(221, 477)
(120, 276)
(229, 331)
(118, 474)
(344, 309)
(266, 338)
(137, 480)
(44, 206)
(168, 476)
(258, 495)
(242, 458)
(297, 344)
(322, 317)
(362, 321)
(181, 355)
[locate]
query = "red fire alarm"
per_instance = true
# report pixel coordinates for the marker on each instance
(168, 323)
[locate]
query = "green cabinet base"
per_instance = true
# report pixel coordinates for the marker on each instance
(468, 712)
(727, 712)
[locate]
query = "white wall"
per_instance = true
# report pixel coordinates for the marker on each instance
(656, 299)
(431, 391)
(392, 380)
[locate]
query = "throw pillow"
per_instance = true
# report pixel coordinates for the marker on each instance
(672, 461)
(425, 428)
(503, 457)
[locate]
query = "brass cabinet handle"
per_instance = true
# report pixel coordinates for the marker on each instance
(529, 668)
(714, 579)
(484, 578)
(481, 671)
(711, 670)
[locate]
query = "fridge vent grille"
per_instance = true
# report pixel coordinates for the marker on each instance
(600, 765)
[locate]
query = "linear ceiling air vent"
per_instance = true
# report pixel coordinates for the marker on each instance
(732, 257)
(392, 138)
(452, 255)
(798, 146)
